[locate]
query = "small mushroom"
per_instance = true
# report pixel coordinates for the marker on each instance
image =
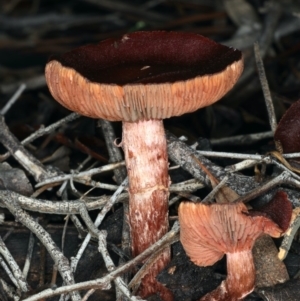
(207, 232)
(140, 79)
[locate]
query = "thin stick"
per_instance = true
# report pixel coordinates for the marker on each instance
(13, 99)
(51, 128)
(241, 139)
(48, 207)
(231, 155)
(114, 152)
(88, 294)
(283, 178)
(265, 88)
(110, 267)
(209, 198)
(291, 155)
(14, 267)
(290, 234)
(29, 255)
(7, 291)
(6, 268)
(17, 150)
(241, 165)
(83, 174)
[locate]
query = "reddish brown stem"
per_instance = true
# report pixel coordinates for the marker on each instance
(145, 149)
(240, 278)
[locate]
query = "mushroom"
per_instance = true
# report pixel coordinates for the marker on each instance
(140, 79)
(207, 232)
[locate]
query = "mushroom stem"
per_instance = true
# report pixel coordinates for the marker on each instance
(240, 279)
(145, 150)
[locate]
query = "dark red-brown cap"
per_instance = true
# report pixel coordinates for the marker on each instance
(287, 134)
(144, 75)
(207, 232)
